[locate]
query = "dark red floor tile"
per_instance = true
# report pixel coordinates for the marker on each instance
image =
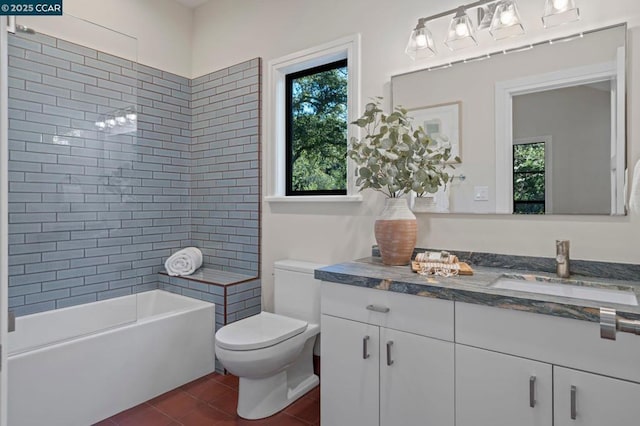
(106, 422)
(212, 401)
(148, 416)
(227, 402)
(305, 409)
(205, 415)
(314, 393)
(228, 379)
(283, 419)
(128, 413)
(208, 390)
(175, 404)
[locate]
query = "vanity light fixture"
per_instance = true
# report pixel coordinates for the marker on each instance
(461, 33)
(421, 44)
(506, 21)
(501, 17)
(558, 12)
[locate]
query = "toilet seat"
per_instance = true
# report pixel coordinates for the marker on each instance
(259, 331)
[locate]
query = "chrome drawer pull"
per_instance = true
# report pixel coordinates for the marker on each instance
(381, 309)
(532, 391)
(389, 360)
(574, 412)
(365, 352)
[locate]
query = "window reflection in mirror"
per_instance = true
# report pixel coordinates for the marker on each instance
(529, 178)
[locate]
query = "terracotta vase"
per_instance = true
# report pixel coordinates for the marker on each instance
(395, 232)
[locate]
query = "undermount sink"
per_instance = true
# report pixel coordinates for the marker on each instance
(566, 288)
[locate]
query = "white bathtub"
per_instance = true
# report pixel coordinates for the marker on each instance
(79, 365)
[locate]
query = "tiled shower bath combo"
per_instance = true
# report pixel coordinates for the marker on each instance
(113, 167)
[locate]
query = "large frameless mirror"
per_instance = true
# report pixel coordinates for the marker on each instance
(540, 130)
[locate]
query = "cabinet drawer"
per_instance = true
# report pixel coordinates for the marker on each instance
(559, 341)
(414, 314)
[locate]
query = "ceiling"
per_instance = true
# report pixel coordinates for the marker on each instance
(192, 3)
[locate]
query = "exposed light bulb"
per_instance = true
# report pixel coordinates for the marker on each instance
(101, 125)
(560, 4)
(507, 16)
(421, 40)
(111, 122)
(462, 30)
(121, 119)
(132, 116)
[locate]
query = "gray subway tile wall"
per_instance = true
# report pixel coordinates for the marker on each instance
(93, 215)
(225, 179)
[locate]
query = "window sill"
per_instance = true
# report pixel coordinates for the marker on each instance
(314, 199)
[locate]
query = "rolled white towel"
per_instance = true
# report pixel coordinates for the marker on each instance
(184, 262)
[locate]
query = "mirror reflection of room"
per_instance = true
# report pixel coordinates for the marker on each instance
(541, 129)
(561, 151)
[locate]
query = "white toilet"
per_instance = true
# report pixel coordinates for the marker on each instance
(272, 354)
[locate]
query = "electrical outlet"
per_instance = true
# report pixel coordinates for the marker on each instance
(481, 193)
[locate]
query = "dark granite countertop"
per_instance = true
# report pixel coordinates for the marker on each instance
(477, 288)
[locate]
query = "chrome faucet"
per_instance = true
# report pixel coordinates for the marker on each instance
(562, 258)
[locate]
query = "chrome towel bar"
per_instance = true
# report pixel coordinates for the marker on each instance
(610, 323)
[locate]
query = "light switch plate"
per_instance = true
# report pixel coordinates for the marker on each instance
(481, 193)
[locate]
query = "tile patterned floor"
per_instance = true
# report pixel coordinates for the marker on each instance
(212, 401)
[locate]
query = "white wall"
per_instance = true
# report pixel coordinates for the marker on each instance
(163, 29)
(228, 32)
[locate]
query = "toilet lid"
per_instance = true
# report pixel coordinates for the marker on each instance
(259, 331)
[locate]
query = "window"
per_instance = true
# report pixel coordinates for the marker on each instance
(316, 130)
(529, 178)
(311, 97)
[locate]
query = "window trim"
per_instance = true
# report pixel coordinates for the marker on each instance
(289, 191)
(275, 113)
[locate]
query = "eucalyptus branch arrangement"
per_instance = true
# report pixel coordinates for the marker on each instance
(394, 158)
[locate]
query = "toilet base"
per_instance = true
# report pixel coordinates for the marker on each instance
(260, 398)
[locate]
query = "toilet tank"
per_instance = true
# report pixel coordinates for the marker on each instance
(296, 291)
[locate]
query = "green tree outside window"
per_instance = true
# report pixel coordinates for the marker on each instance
(317, 130)
(529, 178)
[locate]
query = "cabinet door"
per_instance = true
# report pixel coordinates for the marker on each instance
(416, 380)
(585, 399)
(499, 390)
(350, 373)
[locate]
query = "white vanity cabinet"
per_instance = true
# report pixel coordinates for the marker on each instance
(585, 399)
(501, 390)
(387, 358)
(595, 381)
